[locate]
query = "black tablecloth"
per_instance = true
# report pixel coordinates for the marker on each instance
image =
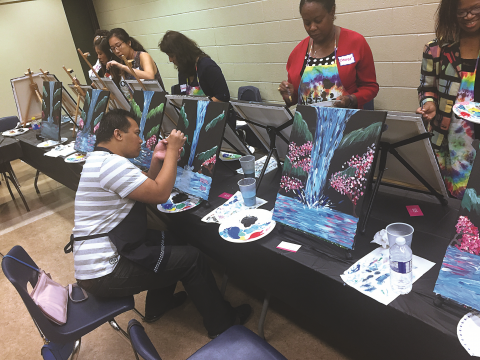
(10, 149)
(65, 173)
(309, 280)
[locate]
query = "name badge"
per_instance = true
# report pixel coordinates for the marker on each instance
(183, 87)
(346, 60)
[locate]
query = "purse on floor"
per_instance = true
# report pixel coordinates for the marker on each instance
(50, 296)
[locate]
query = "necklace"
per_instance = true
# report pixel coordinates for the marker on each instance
(315, 52)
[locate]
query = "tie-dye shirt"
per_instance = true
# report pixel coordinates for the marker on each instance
(444, 83)
(320, 80)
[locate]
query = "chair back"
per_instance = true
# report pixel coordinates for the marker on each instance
(249, 93)
(20, 275)
(141, 343)
(8, 123)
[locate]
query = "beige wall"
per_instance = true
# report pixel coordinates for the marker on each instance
(35, 34)
(251, 40)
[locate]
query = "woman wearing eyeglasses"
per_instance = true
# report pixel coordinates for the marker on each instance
(143, 65)
(102, 48)
(448, 75)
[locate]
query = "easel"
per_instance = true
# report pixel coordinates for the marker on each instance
(34, 93)
(65, 99)
(112, 97)
(80, 95)
(272, 132)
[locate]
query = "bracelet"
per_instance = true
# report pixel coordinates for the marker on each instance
(350, 97)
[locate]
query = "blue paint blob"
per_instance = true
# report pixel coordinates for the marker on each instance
(233, 232)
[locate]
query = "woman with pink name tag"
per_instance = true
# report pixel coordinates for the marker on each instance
(331, 64)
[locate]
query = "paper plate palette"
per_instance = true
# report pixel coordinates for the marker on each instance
(50, 143)
(468, 331)
(76, 158)
(225, 156)
(15, 132)
(179, 202)
(246, 226)
(468, 110)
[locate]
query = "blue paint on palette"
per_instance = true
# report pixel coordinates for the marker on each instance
(193, 183)
(251, 232)
(324, 222)
(381, 279)
(459, 278)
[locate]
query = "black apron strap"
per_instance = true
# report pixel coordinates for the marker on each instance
(69, 247)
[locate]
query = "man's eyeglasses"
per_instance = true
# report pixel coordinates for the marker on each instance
(464, 13)
(116, 46)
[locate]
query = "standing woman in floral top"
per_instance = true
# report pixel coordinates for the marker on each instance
(448, 74)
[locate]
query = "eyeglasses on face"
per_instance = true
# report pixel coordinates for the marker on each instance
(116, 46)
(464, 13)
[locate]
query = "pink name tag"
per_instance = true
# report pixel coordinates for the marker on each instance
(183, 87)
(346, 60)
(414, 210)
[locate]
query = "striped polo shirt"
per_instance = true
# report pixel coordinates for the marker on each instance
(100, 205)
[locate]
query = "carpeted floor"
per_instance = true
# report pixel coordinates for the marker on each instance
(45, 230)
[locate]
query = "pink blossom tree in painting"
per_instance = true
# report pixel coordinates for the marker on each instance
(467, 235)
(297, 164)
(352, 181)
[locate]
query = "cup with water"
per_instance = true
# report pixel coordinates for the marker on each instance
(399, 229)
(248, 165)
(248, 189)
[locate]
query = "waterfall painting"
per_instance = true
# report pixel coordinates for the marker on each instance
(147, 110)
(51, 110)
(459, 276)
(203, 123)
(94, 108)
(327, 170)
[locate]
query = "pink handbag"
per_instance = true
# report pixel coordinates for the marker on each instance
(50, 296)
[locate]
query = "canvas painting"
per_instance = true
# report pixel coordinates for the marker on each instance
(51, 110)
(94, 108)
(327, 170)
(147, 110)
(459, 277)
(203, 123)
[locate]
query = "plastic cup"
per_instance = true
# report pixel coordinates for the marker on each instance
(248, 166)
(399, 229)
(248, 189)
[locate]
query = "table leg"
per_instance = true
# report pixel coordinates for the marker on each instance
(263, 315)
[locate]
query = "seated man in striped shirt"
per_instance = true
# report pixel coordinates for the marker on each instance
(115, 254)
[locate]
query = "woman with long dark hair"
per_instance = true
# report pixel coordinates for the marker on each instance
(143, 65)
(331, 64)
(448, 75)
(198, 74)
(102, 48)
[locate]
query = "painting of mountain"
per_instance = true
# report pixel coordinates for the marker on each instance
(203, 123)
(51, 110)
(94, 108)
(327, 170)
(147, 110)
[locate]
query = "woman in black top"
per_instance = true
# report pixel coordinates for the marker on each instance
(102, 48)
(198, 74)
(143, 65)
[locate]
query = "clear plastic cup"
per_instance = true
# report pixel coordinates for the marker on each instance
(399, 229)
(248, 165)
(249, 191)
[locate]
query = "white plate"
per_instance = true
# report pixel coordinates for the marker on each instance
(51, 143)
(226, 156)
(468, 332)
(258, 223)
(468, 111)
(15, 132)
(170, 207)
(76, 158)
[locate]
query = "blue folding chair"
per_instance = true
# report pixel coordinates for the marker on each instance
(82, 317)
(236, 343)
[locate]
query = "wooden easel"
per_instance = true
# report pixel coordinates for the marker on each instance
(112, 97)
(65, 99)
(34, 93)
(144, 88)
(80, 95)
(129, 65)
